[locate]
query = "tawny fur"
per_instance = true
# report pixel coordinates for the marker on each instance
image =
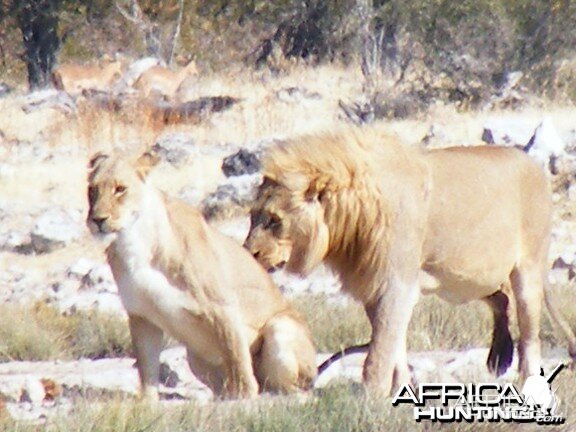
(73, 78)
(177, 275)
(159, 80)
(394, 222)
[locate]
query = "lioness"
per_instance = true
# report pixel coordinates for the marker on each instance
(394, 221)
(176, 274)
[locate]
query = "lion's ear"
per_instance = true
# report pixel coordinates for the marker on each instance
(97, 159)
(315, 189)
(268, 182)
(146, 162)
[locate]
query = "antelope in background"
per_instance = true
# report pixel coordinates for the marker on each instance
(74, 78)
(159, 80)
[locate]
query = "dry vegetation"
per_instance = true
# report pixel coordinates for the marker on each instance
(267, 110)
(40, 332)
(339, 407)
(43, 333)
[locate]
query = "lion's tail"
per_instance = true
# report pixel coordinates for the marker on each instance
(560, 321)
(355, 349)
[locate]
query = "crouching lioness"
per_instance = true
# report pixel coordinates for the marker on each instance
(176, 275)
(393, 221)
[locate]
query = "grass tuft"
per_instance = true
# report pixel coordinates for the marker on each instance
(43, 333)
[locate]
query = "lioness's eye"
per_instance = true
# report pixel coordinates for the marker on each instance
(120, 190)
(92, 194)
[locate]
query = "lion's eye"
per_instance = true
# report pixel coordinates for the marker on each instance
(273, 222)
(120, 190)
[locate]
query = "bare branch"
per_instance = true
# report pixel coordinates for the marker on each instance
(136, 16)
(149, 29)
(176, 34)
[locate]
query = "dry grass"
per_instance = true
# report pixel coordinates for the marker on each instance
(262, 113)
(264, 110)
(337, 408)
(334, 325)
(435, 324)
(42, 333)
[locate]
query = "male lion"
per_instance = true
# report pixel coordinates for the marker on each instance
(393, 221)
(176, 274)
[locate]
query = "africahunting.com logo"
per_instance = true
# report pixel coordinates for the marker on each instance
(492, 402)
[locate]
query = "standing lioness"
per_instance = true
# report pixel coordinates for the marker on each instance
(393, 221)
(177, 275)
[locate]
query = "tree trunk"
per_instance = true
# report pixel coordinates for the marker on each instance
(38, 22)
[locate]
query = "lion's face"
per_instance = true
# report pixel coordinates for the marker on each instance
(115, 190)
(287, 228)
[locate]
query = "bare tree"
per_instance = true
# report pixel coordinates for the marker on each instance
(38, 22)
(176, 33)
(152, 29)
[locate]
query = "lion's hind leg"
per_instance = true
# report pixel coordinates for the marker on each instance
(211, 375)
(502, 348)
(287, 361)
(527, 285)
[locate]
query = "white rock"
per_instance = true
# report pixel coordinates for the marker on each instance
(572, 192)
(80, 268)
(507, 131)
(38, 414)
(545, 142)
(62, 290)
(113, 380)
(14, 241)
(98, 275)
(109, 303)
(105, 302)
(11, 389)
(175, 148)
(349, 367)
(33, 391)
(320, 281)
(135, 70)
(54, 229)
(559, 276)
(7, 171)
(466, 358)
(174, 369)
(243, 162)
(235, 191)
(568, 255)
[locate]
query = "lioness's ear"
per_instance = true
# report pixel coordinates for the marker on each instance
(97, 160)
(315, 189)
(145, 163)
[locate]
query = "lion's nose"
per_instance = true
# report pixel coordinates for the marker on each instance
(99, 221)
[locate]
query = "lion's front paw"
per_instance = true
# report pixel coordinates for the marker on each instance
(245, 389)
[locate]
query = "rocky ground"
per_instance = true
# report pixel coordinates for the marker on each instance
(48, 256)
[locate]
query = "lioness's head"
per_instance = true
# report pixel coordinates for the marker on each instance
(115, 187)
(288, 226)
